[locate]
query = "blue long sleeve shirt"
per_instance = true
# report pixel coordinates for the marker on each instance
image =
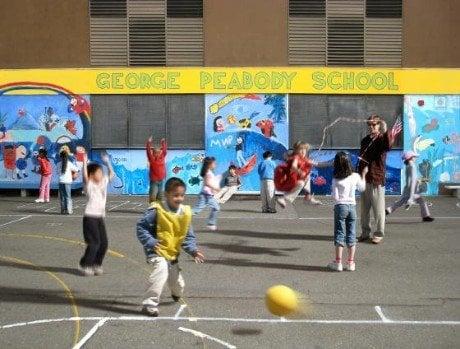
(266, 169)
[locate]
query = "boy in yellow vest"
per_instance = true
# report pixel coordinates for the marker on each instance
(163, 231)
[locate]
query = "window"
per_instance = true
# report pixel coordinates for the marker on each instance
(121, 121)
(146, 32)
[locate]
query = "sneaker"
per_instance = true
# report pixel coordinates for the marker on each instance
(387, 211)
(86, 271)
(312, 201)
(335, 266)
(264, 211)
(272, 211)
(150, 311)
(428, 219)
(377, 239)
(175, 298)
(47, 200)
(363, 238)
(98, 270)
(212, 227)
(39, 200)
(282, 202)
(350, 266)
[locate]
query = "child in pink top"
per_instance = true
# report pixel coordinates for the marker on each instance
(46, 174)
(210, 187)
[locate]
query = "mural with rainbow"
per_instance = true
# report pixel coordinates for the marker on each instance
(47, 117)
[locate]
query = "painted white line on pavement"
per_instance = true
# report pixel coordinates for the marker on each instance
(204, 335)
(381, 314)
(15, 221)
(116, 206)
(243, 320)
(179, 311)
(90, 333)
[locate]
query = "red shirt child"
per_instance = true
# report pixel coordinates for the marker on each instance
(157, 162)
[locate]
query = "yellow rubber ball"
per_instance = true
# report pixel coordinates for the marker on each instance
(281, 300)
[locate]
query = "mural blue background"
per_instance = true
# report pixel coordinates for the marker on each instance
(248, 117)
(132, 174)
(321, 178)
(30, 122)
(432, 129)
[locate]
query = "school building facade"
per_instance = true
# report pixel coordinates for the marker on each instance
(104, 75)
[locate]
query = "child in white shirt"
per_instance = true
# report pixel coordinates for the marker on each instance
(344, 185)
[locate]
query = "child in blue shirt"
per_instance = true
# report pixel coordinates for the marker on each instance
(267, 185)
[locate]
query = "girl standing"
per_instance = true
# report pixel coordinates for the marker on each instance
(344, 185)
(67, 171)
(46, 174)
(210, 187)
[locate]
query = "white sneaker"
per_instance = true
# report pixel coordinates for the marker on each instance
(313, 201)
(86, 271)
(350, 266)
(39, 200)
(212, 227)
(98, 270)
(281, 201)
(335, 266)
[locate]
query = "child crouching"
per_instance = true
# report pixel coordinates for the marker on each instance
(163, 231)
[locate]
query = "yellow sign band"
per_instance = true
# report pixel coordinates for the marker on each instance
(312, 80)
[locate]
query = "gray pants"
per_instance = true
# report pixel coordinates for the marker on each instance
(267, 195)
(301, 185)
(373, 197)
(424, 211)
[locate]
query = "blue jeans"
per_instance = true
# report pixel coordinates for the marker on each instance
(65, 197)
(207, 200)
(344, 225)
(156, 190)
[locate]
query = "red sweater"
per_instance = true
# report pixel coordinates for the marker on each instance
(156, 163)
(45, 166)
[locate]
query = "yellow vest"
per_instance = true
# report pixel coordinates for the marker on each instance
(171, 230)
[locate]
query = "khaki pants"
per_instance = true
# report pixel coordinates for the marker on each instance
(226, 193)
(163, 271)
(373, 198)
(267, 195)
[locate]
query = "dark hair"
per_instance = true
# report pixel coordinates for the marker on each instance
(267, 154)
(208, 160)
(93, 167)
(232, 167)
(342, 165)
(42, 152)
(173, 183)
(64, 158)
(215, 123)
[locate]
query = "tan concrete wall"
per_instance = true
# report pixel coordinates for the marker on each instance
(245, 32)
(431, 32)
(44, 33)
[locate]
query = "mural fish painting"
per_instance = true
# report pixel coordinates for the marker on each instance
(198, 158)
(421, 144)
(177, 169)
(194, 180)
(70, 126)
(432, 126)
(320, 180)
(266, 127)
(231, 119)
(245, 123)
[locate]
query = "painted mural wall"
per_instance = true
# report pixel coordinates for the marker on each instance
(240, 128)
(432, 130)
(132, 173)
(31, 122)
(321, 178)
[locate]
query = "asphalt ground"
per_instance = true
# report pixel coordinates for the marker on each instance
(405, 292)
